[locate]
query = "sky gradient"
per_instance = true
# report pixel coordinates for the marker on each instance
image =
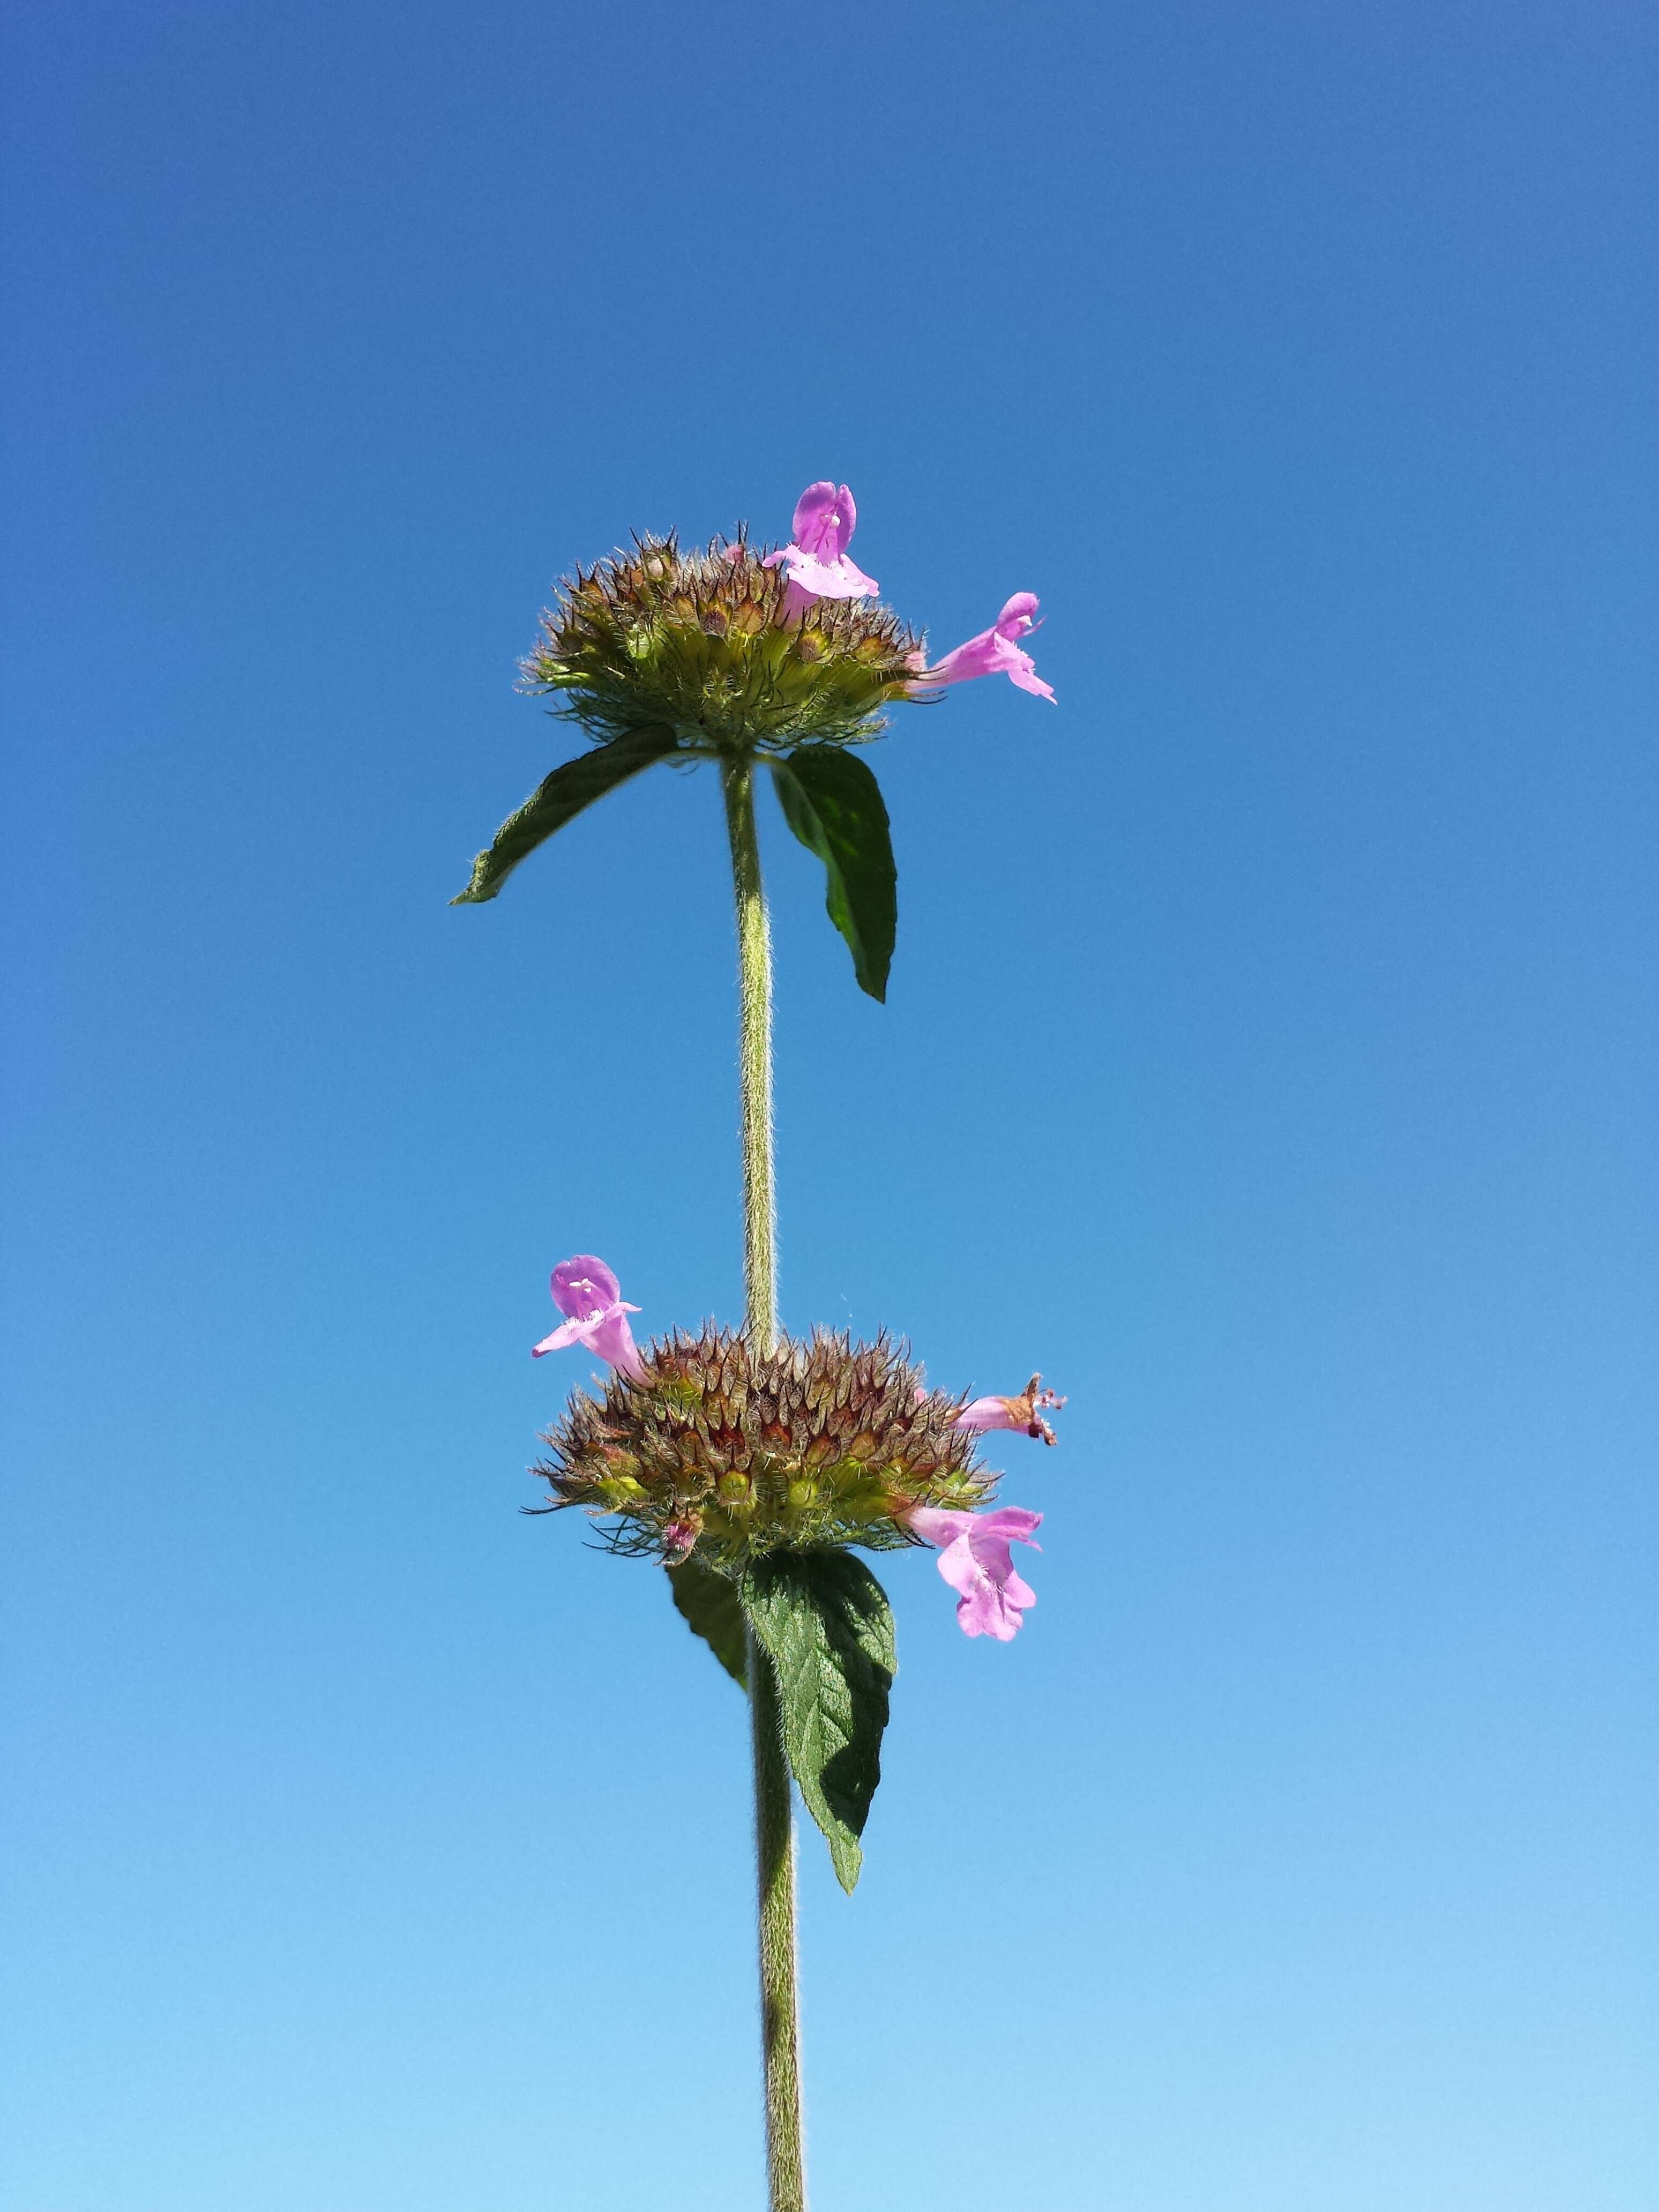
(1270, 1058)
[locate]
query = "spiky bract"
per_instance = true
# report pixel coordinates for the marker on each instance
(706, 645)
(739, 1453)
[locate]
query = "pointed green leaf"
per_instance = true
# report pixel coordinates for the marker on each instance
(708, 1602)
(557, 800)
(825, 1621)
(834, 805)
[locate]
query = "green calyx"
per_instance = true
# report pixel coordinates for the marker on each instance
(705, 645)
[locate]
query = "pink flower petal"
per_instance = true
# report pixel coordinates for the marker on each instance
(586, 1289)
(986, 1413)
(613, 1340)
(935, 1525)
(960, 1567)
(963, 662)
(825, 519)
(583, 1284)
(568, 1332)
(976, 1562)
(828, 580)
(1017, 1590)
(1005, 1524)
(989, 1604)
(1023, 672)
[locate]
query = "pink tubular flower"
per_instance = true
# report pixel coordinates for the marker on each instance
(586, 1289)
(1024, 1411)
(994, 652)
(825, 519)
(975, 1560)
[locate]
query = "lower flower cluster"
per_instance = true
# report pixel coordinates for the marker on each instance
(706, 1446)
(706, 1442)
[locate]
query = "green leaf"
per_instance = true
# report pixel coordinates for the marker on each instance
(708, 1604)
(557, 800)
(834, 805)
(823, 1620)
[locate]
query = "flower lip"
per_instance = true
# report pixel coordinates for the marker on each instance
(839, 579)
(825, 518)
(816, 560)
(977, 1561)
(583, 1284)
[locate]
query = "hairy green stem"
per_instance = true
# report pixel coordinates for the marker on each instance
(775, 1867)
(775, 1824)
(760, 1242)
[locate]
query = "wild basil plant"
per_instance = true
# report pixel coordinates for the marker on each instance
(752, 1465)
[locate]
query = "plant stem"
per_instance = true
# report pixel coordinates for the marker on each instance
(760, 1245)
(775, 1866)
(774, 1824)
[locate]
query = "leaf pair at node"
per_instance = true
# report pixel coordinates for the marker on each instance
(829, 798)
(822, 1621)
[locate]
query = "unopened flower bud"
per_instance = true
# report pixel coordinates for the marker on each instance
(680, 1537)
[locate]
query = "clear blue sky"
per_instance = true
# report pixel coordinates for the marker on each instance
(1270, 1059)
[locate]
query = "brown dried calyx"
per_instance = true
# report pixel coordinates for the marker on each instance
(735, 1453)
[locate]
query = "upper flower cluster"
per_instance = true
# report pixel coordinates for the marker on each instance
(719, 649)
(732, 650)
